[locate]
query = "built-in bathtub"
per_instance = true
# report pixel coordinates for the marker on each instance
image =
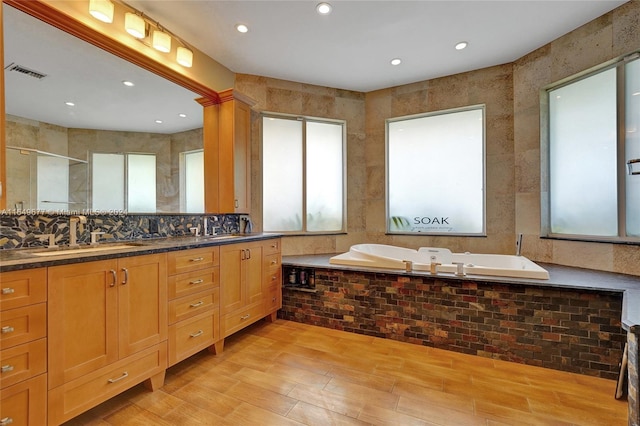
(393, 257)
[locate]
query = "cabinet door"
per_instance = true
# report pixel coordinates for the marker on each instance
(232, 291)
(253, 273)
(82, 319)
(142, 292)
(242, 157)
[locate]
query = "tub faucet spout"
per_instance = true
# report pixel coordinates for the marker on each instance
(408, 265)
(433, 268)
(460, 269)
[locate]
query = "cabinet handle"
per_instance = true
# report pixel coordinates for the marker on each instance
(126, 276)
(274, 262)
(196, 259)
(200, 281)
(243, 255)
(249, 252)
(195, 305)
(6, 421)
(115, 277)
(244, 317)
(273, 278)
(124, 375)
(8, 290)
(7, 329)
(236, 204)
(6, 368)
(274, 246)
(197, 333)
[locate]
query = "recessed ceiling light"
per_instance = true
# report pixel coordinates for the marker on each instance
(69, 103)
(128, 83)
(242, 28)
(461, 45)
(396, 61)
(159, 121)
(635, 94)
(324, 8)
(182, 115)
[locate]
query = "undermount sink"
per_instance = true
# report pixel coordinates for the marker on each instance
(85, 250)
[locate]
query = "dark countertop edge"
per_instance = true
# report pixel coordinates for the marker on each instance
(561, 277)
(21, 259)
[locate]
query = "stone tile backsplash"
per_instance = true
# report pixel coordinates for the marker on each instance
(23, 230)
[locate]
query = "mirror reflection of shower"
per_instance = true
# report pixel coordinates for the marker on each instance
(44, 180)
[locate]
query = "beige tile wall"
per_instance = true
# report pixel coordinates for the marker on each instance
(511, 93)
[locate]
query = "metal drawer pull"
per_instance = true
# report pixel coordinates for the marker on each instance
(249, 252)
(197, 333)
(6, 421)
(195, 305)
(196, 259)
(6, 368)
(7, 329)
(274, 262)
(275, 246)
(200, 281)
(8, 290)
(244, 317)
(273, 278)
(115, 277)
(126, 276)
(124, 375)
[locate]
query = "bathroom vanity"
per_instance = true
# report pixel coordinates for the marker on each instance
(79, 328)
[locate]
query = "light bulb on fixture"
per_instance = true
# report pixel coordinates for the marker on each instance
(184, 57)
(135, 25)
(102, 10)
(161, 41)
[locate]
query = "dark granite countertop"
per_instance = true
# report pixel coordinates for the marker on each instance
(565, 277)
(17, 259)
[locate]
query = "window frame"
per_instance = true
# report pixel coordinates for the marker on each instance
(304, 119)
(617, 63)
(483, 232)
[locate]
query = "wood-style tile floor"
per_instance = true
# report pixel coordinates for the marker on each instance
(286, 373)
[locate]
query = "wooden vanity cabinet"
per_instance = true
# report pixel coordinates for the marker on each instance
(107, 330)
(194, 301)
(247, 271)
(23, 347)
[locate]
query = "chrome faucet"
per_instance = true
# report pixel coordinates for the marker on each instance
(95, 235)
(73, 229)
(205, 227)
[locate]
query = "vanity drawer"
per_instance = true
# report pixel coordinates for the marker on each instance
(22, 288)
(72, 398)
(193, 282)
(25, 403)
(235, 321)
(192, 335)
(22, 362)
(273, 298)
(272, 277)
(22, 325)
(272, 262)
(192, 260)
(271, 246)
(191, 305)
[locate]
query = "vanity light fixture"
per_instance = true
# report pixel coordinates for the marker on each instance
(161, 41)
(324, 8)
(396, 61)
(461, 45)
(184, 57)
(242, 28)
(135, 25)
(102, 10)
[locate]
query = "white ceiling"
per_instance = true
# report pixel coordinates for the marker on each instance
(348, 49)
(351, 48)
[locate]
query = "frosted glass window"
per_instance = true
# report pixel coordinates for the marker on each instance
(582, 157)
(141, 183)
(324, 177)
(303, 175)
(435, 173)
(192, 181)
(53, 183)
(632, 147)
(107, 182)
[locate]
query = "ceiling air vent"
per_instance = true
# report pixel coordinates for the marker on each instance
(26, 71)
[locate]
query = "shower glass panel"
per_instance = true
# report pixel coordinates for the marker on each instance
(192, 181)
(632, 146)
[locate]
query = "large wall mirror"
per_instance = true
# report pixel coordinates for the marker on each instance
(80, 139)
